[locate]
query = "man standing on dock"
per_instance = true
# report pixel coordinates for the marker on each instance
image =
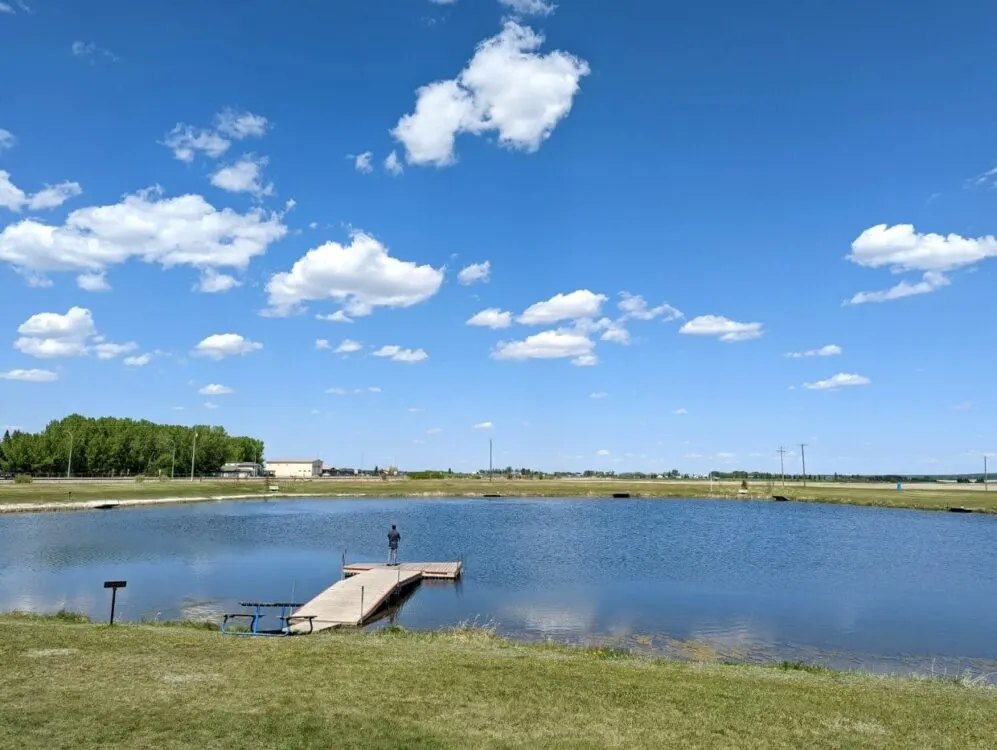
(393, 538)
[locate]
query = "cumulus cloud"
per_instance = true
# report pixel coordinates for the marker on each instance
(529, 7)
(474, 273)
(362, 276)
(348, 346)
(229, 125)
(30, 376)
(215, 389)
(484, 426)
(138, 361)
(15, 199)
(93, 282)
(508, 88)
(598, 395)
(841, 380)
(491, 318)
(212, 282)
(244, 176)
(603, 453)
(337, 317)
(831, 350)
(90, 52)
(578, 304)
(363, 163)
(393, 164)
(222, 345)
(723, 328)
(901, 249)
(51, 335)
(634, 307)
(930, 282)
(7, 140)
(557, 344)
(398, 354)
(186, 230)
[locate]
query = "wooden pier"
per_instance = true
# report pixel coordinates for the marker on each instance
(364, 590)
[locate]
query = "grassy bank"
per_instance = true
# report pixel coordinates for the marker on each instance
(928, 497)
(134, 686)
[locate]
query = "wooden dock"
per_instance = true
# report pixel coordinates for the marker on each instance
(364, 590)
(441, 570)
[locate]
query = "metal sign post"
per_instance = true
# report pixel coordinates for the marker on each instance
(114, 586)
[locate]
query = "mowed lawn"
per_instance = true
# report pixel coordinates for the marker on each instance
(926, 497)
(143, 686)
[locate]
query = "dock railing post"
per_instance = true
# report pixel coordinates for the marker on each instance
(360, 621)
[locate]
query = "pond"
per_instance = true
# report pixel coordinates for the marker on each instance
(876, 589)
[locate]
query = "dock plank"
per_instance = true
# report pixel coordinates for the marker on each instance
(444, 570)
(352, 601)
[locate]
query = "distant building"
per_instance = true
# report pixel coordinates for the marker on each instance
(288, 468)
(241, 470)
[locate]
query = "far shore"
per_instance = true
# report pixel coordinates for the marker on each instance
(45, 496)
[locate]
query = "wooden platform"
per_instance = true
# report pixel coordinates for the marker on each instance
(352, 601)
(441, 570)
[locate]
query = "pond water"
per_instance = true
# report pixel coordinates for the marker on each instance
(877, 589)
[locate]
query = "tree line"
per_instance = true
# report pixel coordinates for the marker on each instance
(111, 447)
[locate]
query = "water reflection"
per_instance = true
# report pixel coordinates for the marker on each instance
(856, 587)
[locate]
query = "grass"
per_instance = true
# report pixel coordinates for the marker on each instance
(137, 686)
(927, 497)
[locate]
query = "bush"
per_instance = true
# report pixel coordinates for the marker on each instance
(22, 479)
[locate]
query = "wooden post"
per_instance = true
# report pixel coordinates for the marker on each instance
(360, 622)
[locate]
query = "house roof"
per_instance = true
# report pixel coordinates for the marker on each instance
(293, 460)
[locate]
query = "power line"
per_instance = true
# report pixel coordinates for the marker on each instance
(803, 456)
(782, 464)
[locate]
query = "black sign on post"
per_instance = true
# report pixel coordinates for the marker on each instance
(114, 586)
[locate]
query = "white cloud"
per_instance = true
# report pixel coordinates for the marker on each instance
(363, 163)
(902, 249)
(186, 141)
(964, 406)
(337, 317)
(337, 391)
(578, 304)
(507, 87)
(108, 350)
(222, 345)
(5, 8)
(724, 328)
(397, 354)
(186, 230)
(633, 306)
(348, 346)
(602, 453)
(598, 395)
(50, 335)
(30, 376)
(558, 344)
(393, 164)
(484, 426)
(474, 273)
(93, 282)
(7, 140)
(680, 412)
(322, 344)
(212, 282)
(831, 350)
(51, 196)
(210, 405)
(244, 176)
(530, 7)
(841, 380)
(491, 318)
(361, 275)
(214, 389)
(616, 333)
(140, 361)
(89, 51)
(930, 282)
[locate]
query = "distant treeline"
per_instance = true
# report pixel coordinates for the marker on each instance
(110, 447)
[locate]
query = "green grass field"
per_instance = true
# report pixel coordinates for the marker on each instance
(142, 686)
(927, 497)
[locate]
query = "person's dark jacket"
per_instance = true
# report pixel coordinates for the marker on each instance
(393, 538)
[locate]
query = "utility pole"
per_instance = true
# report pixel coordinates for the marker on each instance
(69, 468)
(193, 452)
(782, 464)
(803, 456)
(173, 465)
(985, 487)
(489, 459)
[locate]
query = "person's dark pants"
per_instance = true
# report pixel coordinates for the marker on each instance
(392, 555)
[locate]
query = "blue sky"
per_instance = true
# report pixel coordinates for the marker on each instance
(643, 209)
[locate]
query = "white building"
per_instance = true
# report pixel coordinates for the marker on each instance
(296, 468)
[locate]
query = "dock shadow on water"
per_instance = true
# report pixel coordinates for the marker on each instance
(839, 586)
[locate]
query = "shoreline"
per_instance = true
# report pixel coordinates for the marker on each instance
(110, 503)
